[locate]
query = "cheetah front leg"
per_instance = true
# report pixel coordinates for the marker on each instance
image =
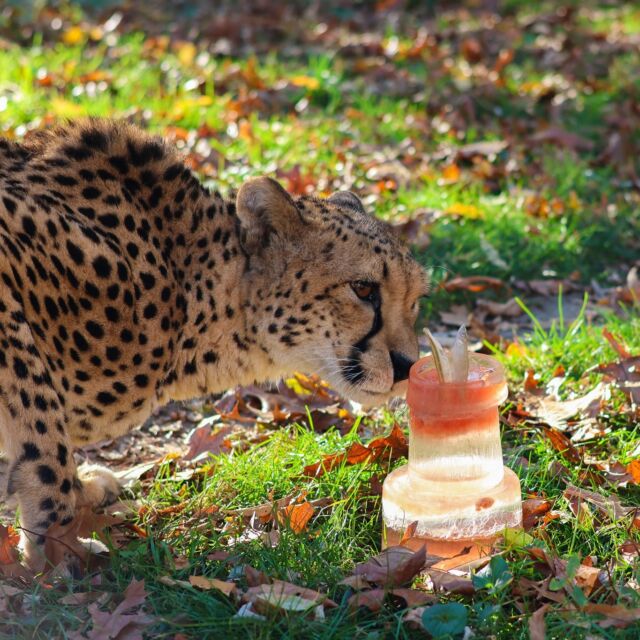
(42, 477)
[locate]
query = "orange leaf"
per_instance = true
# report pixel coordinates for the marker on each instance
(9, 540)
(634, 469)
(619, 348)
(451, 173)
(561, 443)
(297, 516)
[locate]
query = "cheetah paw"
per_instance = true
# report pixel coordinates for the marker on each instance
(100, 486)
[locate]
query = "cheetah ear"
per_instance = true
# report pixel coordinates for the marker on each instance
(264, 209)
(347, 199)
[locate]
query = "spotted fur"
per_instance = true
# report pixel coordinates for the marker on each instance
(125, 283)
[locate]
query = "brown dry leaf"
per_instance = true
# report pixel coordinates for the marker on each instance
(615, 615)
(537, 626)
(394, 446)
(626, 374)
(77, 599)
(63, 540)
(204, 440)
(373, 599)
(609, 506)
(563, 445)
(556, 413)
(483, 148)
(296, 516)
(120, 623)
(474, 284)
(562, 138)
(394, 567)
(228, 588)
(254, 577)
(414, 597)
(532, 510)
(508, 309)
(588, 578)
(415, 230)
(451, 583)
(279, 592)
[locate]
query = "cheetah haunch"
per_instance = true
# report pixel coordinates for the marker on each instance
(125, 283)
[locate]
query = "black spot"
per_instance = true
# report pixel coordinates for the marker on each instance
(62, 455)
(81, 341)
(105, 398)
(109, 220)
(150, 311)
(41, 427)
(20, 368)
(113, 354)
(148, 281)
(102, 267)
(29, 226)
(141, 380)
(91, 193)
(46, 474)
(119, 163)
(47, 504)
(31, 452)
(94, 139)
(76, 253)
(94, 329)
(210, 357)
(65, 487)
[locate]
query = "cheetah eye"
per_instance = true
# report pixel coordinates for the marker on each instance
(365, 290)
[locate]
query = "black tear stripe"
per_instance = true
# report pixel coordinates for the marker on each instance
(352, 370)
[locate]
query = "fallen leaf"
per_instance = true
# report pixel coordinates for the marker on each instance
(372, 600)
(205, 441)
(609, 506)
(563, 445)
(508, 309)
(532, 510)
(537, 626)
(394, 567)
(615, 615)
(228, 588)
(483, 148)
(588, 578)
(451, 583)
(633, 468)
(279, 591)
(9, 539)
(626, 374)
(461, 210)
(391, 447)
(562, 138)
(556, 413)
(296, 516)
(68, 539)
(616, 343)
(121, 623)
(474, 284)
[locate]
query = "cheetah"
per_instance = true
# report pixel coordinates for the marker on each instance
(125, 283)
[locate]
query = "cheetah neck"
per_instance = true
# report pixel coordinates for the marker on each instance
(219, 345)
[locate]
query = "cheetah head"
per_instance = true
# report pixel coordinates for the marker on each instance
(335, 291)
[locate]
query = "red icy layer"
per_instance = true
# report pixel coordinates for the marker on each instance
(429, 399)
(442, 427)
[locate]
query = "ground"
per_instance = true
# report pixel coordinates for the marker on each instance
(502, 140)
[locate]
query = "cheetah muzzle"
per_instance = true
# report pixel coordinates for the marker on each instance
(125, 283)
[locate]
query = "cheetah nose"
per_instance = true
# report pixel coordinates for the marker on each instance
(401, 365)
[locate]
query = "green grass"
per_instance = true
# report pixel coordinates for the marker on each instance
(330, 124)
